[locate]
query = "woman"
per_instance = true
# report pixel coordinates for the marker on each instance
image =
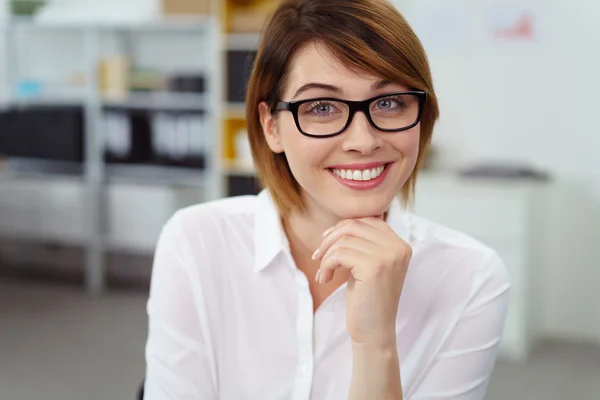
(323, 286)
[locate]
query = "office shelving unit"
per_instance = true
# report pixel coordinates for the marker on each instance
(94, 178)
(238, 46)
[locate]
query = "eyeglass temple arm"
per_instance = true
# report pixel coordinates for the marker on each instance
(282, 105)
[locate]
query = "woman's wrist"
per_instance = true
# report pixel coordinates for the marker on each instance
(381, 340)
(375, 371)
(367, 354)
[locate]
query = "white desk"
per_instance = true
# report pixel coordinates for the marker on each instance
(504, 215)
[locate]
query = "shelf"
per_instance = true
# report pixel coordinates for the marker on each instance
(160, 101)
(51, 99)
(115, 173)
(17, 168)
(139, 248)
(242, 41)
(19, 176)
(137, 101)
(42, 209)
(236, 168)
(155, 175)
(172, 25)
(235, 110)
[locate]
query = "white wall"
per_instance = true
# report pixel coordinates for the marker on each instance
(535, 103)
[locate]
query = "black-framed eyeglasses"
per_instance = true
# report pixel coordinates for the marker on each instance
(327, 117)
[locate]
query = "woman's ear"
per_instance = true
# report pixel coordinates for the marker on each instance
(269, 127)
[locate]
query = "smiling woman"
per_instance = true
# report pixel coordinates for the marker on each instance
(362, 39)
(324, 286)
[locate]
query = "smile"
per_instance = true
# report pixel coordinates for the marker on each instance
(359, 175)
(362, 178)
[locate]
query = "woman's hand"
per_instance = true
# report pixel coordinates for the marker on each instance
(378, 260)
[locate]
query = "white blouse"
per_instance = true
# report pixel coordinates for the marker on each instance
(231, 317)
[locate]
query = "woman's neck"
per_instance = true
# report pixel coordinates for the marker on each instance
(304, 231)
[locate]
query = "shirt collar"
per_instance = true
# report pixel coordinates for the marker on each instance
(398, 220)
(270, 238)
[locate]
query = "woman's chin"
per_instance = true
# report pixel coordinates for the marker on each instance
(344, 206)
(360, 210)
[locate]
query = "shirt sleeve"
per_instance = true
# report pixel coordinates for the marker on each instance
(462, 368)
(180, 364)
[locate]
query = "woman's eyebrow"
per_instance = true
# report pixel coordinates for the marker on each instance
(316, 85)
(335, 89)
(381, 84)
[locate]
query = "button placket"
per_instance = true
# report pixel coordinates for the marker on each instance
(304, 330)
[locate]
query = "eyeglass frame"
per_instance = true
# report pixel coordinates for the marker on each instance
(353, 108)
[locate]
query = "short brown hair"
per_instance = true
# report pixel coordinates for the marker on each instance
(367, 35)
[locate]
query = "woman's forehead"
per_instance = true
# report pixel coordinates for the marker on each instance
(316, 58)
(315, 63)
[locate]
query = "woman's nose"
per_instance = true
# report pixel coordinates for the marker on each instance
(360, 136)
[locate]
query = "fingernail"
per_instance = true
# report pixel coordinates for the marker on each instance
(318, 276)
(328, 231)
(321, 278)
(315, 254)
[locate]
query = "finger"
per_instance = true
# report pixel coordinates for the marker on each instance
(348, 242)
(382, 226)
(377, 223)
(353, 228)
(390, 237)
(341, 257)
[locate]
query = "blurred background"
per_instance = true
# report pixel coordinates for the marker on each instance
(114, 114)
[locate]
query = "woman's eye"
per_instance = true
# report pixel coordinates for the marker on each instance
(385, 103)
(390, 103)
(323, 108)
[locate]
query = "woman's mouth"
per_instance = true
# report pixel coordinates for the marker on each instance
(361, 179)
(360, 175)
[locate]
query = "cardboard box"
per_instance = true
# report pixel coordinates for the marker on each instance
(251, 18)
(113, 77)
(185, 7)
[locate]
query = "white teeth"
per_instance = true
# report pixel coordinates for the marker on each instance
(359, 175)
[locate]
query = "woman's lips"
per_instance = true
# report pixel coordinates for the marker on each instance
(365, 179)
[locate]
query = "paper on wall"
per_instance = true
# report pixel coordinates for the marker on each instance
(514, 23)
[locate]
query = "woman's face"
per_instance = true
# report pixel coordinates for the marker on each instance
(322, 166)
